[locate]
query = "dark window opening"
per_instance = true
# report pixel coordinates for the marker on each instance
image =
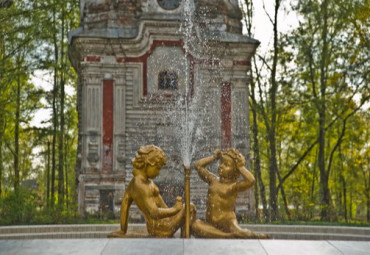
(106, 203)
(168, 80)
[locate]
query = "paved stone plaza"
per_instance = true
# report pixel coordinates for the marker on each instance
(180, 246)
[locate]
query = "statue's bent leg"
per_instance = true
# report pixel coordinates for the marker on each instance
(205, 230)
(245, 233)
(167, 227)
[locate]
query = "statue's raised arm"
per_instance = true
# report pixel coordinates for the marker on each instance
(220, 219)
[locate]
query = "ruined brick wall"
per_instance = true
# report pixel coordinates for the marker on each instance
(101, 14)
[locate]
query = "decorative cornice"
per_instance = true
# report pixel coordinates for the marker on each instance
(83, 44)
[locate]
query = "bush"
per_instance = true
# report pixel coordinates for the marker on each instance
(19, 208)
(26, 208)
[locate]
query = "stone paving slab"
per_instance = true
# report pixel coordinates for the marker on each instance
(222, 247)
(144, 246)
(55, 247)
(283, 247)
(353, 248)
(180, 246)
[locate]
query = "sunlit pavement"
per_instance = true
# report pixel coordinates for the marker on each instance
(180, 246)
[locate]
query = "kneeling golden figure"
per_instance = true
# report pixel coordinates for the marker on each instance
(221, 220)
(161, 221)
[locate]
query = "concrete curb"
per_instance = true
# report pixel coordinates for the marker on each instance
(292, 232)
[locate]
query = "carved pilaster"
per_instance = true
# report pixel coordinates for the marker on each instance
(120, 124)
(93, 155)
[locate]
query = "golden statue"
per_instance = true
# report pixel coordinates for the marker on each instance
(221, 220)
(161, 221)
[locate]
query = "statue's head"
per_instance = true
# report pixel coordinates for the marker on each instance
(149, 158)
(230, 160)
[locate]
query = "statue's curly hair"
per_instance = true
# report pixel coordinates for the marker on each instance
(238, 159)
(149, 154)
(235, 155)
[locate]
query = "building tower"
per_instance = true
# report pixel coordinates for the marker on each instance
(134, 59)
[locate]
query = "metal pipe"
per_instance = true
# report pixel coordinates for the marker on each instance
(187, 201)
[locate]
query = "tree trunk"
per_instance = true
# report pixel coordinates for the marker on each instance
(61, 150)
(53, 151)
(16, 132)
(273, 166)
(256, 199)
(324, 177)
(53, 148)
(284, 197)
(368, 205)
(256, 155)
(2, 121)
(1, 164)
(257, 165)
(61, 131)
(368, 199)
(367, 186)
(272, 174)
(350, 204)
(66, 172)
(256, 151)
(313, 185)
(48, 176)
(54, 106)
(344, 186)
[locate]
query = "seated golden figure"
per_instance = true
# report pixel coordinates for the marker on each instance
(221, 220)
(161, 221)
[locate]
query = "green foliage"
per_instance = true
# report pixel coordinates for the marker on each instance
(21, 208)
(33, 36)
(322, 76)
(27, 208)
